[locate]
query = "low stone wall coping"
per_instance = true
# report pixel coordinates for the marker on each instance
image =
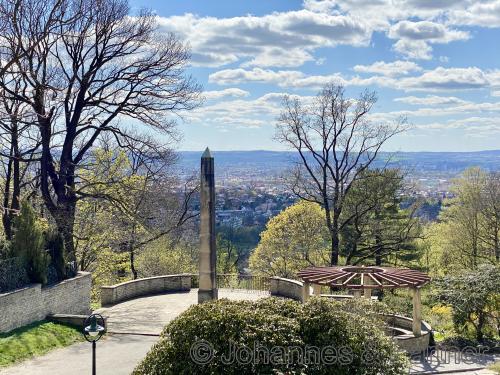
(113, 294)
(286, 288)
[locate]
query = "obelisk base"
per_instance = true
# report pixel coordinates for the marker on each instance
(207, 295)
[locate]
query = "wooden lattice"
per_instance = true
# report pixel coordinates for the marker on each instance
(364, 277)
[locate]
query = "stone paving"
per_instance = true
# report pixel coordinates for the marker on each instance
(134, 327)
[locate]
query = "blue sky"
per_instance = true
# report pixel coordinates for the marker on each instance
(437, 62)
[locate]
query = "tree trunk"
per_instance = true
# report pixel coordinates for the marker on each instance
(378, 250)
(64, 217)
(334, 261)
(132, 263)
(479, 328)
(6, 219)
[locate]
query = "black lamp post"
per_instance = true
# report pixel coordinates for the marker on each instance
(93, 329)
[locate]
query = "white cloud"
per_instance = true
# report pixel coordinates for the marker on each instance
(426, 30)
(485, 13)
(283, 39)
(439, 79)
(413, 49)
(235, 76)
(232, 92)
(414, 37)
(447, 79)
(394, 68)
(431, 100)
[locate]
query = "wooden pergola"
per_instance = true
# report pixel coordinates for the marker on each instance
(363, 279)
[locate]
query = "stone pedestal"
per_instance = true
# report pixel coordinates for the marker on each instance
(208, 250)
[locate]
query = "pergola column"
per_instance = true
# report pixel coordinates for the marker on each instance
(366, 280)
(306, 291)
(417, 312)
(317, 289)
(357, 293)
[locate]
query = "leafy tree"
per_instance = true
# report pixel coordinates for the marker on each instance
(294, 239)
(376, 228)
(474, 296)
(134, 202)
(29, 244)
(468, 231)
(227, 256)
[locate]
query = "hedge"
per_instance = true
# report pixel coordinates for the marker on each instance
(13, 275)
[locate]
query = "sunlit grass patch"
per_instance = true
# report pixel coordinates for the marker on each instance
(35, 339)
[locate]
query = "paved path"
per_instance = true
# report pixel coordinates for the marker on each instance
(134, 327)
(126, 344)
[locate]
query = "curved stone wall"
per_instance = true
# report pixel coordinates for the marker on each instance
(113, 294)
(288, 288)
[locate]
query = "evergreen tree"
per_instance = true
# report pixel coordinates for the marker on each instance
(28, 244)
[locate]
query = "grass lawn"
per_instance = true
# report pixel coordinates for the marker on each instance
(35, 339)
(495, 367)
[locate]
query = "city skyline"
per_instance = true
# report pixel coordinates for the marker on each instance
(431, 61)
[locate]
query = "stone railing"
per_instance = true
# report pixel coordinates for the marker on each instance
(32, 303)
(111, 295)
(287, 288)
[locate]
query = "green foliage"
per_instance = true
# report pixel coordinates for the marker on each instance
(294, 239)
(244, 239)
(12, 274)
(474, 296)
(111, 268)
(378, 230)
(35, 339)
(269, 326)
(29, 244)
(55, 246)
(161, 258)
(5, 249)
(468, 232)
(325, 323)
(227, 256)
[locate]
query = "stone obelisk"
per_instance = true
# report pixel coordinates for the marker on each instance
(208, 252)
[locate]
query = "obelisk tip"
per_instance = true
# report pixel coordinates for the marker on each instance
(206, 154)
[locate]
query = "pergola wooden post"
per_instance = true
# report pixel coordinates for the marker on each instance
(365, 280)
(417, 312)
(306, 291)
(316, 289)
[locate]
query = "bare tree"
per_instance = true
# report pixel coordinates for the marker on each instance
(97, 71)
(336, 143)
(18, 152)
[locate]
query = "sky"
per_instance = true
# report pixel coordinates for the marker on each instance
(435, 62)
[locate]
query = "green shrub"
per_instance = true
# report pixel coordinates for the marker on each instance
(12, 275)
(474, 297)
(266, 326)
(54, 243)
(367, 349)
(28, 243)
(5, 249)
